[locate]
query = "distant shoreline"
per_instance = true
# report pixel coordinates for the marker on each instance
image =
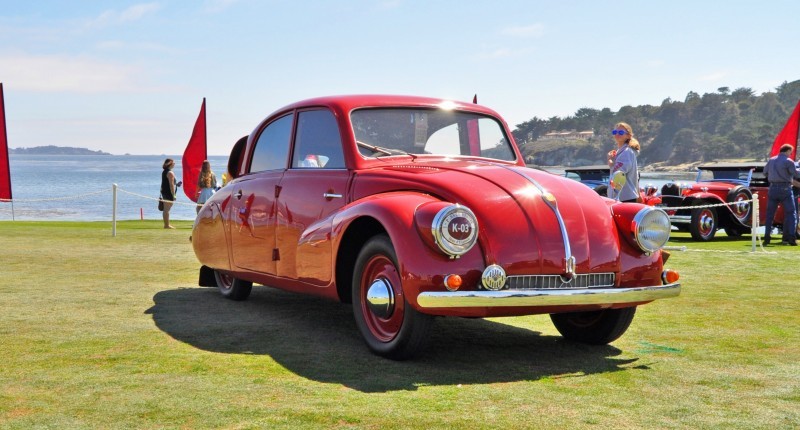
(55, 150)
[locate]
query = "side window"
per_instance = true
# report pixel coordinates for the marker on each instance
(272, 148)
(318, 142)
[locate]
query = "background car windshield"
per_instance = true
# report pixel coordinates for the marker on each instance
(382, 132)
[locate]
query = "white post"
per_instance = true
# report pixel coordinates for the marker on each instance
(114, 211)
(754, 222)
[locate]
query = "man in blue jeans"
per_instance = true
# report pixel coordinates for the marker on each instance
(782, 174)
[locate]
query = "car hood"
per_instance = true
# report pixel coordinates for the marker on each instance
(518, 229)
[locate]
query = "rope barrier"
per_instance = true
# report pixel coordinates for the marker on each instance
(675, 208)
(155, 199)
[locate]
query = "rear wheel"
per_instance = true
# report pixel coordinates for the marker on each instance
(389, 325)
(703, 224)
(734, 231)
(741, 206)
(594, 327)
(233, 288)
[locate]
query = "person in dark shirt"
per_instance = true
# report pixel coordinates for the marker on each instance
(168, 190)
(782, 175)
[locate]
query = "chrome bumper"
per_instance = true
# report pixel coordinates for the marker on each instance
(593, 296)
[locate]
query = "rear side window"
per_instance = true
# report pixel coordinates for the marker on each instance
(272, 148)
(318, 143)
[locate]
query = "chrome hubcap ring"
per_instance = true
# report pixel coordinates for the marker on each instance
(380, 298)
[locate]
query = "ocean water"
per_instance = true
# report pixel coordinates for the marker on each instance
(79, 187)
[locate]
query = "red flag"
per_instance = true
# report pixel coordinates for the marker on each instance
(5, 168)
(788, 134)
(194, 155)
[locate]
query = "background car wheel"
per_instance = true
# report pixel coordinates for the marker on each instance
(233, 288)
(734, 231)
(742, 207)
(390, 326)
(703, 225)
(602, 190)
(595, 327)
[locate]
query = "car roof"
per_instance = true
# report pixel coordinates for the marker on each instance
(600, 167)
(347, 103)
(758, 166)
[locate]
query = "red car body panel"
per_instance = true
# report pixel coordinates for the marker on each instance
(293, 228)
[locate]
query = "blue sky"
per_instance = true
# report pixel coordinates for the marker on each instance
(129, 77)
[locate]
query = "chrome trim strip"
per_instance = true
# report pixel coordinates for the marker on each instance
(511, 298)
(569, 260)
(680, 219)
(331, 195)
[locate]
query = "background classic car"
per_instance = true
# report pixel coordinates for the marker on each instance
(716, 184)
(411, 208)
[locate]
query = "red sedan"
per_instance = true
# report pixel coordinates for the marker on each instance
(411, 208)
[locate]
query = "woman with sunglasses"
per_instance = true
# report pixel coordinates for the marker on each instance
(623, 159)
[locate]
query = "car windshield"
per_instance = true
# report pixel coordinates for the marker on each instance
(383, 132)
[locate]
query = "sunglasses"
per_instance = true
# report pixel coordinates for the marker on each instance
(618, 132)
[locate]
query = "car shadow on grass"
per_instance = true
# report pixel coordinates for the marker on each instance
(318, 339)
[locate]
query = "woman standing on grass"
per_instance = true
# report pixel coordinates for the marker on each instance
(206, 183)
(623, 159)
(168, 190)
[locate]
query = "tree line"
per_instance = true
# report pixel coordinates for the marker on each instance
(722, 125)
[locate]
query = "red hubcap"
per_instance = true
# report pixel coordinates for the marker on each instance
(384, 329)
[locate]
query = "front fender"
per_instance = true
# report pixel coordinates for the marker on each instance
(421, 267)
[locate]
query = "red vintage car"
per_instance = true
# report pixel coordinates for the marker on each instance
(721, 198)
(411, 208)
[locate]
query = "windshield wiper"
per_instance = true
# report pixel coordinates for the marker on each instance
(381, 149)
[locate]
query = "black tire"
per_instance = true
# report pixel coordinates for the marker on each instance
(734, 231)
(703, 224)
(396, 331)
(741, 212)
(233, 288)
(602, 190)
(594, 327)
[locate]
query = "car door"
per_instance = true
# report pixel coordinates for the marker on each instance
(253, 207)
(310, 191)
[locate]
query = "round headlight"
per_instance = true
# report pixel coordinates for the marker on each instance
(455, 230)
(651, 228)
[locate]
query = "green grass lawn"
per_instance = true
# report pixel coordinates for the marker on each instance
(112, 332)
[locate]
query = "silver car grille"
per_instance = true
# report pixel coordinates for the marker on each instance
(557, 282)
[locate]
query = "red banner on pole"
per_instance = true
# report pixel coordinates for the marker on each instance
(5, 166)
(788, 134)
(194, 155)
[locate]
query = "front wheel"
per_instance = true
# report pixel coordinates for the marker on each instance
(390, 326)
(703, 224)
(232, 288)
(594, 327)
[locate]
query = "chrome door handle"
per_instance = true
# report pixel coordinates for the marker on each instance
(332, 196)
(239, 195)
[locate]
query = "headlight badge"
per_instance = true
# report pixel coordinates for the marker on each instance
(455, 230)
(651, 229)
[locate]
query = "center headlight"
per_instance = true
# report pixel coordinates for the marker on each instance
(455, 230)
(651, 229)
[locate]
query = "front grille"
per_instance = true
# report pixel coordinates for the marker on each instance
(557, 282)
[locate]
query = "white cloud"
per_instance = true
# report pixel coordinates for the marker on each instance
(533, 30)
(133, 13)
(500, 53)
(713, 77)
(57, 73)
(216, 6)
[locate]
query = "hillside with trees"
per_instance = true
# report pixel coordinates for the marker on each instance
(726, 124)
